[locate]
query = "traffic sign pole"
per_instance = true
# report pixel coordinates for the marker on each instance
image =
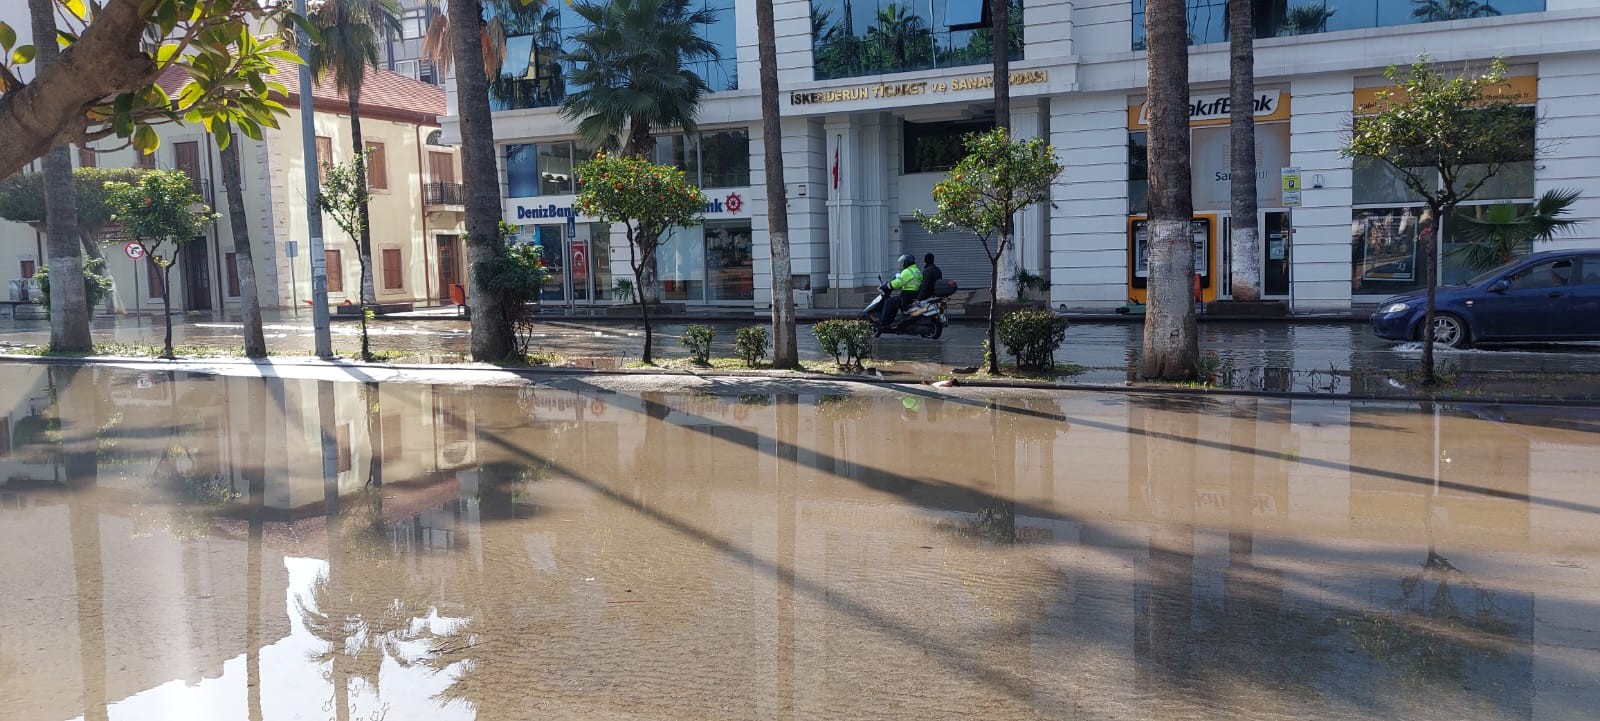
(136, 252)
(1291, 200)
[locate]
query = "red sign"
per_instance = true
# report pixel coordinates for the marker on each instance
(580, 260)
(133, 250)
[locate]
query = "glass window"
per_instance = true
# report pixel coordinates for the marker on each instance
(681, 264)
(1591, 270)
(555, 168)
(552, 255)
(1376, 182)
(725, 159)
(729, 262)
(522, 171)
(1278, 18)
(936, 147)
(1384, 251)
(519, 55)
(867, 37)
(1554, 274)
(672, 150)
(1138, 173)
(959, 13)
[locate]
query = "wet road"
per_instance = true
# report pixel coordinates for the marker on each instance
(1271, 356)
(193, 547)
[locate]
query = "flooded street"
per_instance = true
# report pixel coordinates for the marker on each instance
(181, 546)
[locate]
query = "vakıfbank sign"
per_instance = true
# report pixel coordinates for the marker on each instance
(1216, 109)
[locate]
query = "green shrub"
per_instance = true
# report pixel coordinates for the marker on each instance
(751, 344)
(697, 338)
(96, 284)
(1032, 337)
(516, 277)
(848, 341)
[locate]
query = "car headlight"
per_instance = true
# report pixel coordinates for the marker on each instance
(1395, 308)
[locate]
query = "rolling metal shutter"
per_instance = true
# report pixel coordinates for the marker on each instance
(959, 254)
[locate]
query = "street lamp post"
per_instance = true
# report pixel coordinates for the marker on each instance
(319, 260)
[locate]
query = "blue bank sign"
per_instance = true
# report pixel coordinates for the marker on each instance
(541, 212)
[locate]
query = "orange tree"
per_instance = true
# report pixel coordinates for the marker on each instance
(163, 212)
(647, 199)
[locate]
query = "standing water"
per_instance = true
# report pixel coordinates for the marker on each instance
(196, 547)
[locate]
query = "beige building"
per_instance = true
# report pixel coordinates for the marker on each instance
(416, 207)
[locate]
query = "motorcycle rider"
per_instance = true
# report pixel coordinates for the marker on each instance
(909, 281)
(931, 275)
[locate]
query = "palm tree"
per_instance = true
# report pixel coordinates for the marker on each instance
(900, 36)
(785, 354)
(350, 34)
(1171, 349)
(1436, 10)
(1501, 233)
(1246, 250)
(632, 63)
(69, 304)
(1306, 19)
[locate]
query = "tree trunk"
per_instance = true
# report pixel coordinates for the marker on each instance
(69, 304)
(1245, 237)
(255, 340)
(1428, 233)
(369, 293)
(641, 144)
(492, 338)
(166, 307)
(1170, 346)
(785, 350)
(638, 279)
(993, 354)
(1005, 287)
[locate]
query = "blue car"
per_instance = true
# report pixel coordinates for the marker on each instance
(1549, 296)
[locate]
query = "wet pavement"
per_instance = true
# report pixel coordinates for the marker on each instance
(1332, 357)
(197, 547)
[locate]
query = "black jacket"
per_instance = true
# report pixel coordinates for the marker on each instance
(930, 275)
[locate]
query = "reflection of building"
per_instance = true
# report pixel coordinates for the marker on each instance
(876, 96)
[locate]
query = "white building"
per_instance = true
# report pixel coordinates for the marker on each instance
(876, 94)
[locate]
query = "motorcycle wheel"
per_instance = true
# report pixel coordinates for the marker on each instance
(931, 330)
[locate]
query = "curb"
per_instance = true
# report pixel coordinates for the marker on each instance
(535, 373)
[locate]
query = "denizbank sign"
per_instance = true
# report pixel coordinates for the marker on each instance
(1216, 109)
(719, 205)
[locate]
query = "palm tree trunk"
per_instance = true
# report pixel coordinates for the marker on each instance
(491, 333)
(69, 303)
(1170, 345)
(1245, 237)
(369, 294)
(785, 351)
(1005, 283)
(255, 340)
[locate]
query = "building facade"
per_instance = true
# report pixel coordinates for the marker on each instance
(875, 97)
(416, 207)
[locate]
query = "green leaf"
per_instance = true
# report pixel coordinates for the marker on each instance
(64, 38)
(22, 55)
(224, 138)
(165, 53)
(8, 37)
(123, 125)
(146, 140)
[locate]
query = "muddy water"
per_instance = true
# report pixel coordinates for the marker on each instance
(187, 547)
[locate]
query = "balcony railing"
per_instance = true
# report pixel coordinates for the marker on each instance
(442, 194)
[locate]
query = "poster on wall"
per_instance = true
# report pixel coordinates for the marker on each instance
(1141, 248)
(580, 260)
(1388, 245)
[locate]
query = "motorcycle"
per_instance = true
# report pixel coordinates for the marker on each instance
(924, 318)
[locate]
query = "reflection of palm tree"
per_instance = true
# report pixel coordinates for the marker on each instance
(1306, 19)
(1436, 10)
(900, 37)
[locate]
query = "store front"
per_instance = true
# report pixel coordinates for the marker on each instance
(1387, 221)
(580, 267)
(1211, 150)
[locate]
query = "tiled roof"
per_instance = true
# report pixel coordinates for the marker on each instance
(383, 93)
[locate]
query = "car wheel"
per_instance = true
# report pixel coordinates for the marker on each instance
(1451, 331)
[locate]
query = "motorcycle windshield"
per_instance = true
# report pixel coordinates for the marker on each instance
(877, 301)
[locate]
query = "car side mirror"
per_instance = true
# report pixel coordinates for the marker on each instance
(1500, 286)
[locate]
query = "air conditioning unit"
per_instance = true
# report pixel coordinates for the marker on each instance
(407, 68)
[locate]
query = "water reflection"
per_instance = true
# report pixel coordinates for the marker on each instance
(235, 548)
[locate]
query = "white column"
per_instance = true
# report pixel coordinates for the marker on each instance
(1029, 121)
(1570, 137)
(1320, 251)
(1088, 223)
(859, 208)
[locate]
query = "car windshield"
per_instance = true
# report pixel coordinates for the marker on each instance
(1485, 276)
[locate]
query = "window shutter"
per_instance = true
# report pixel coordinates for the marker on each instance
(391, 269)
(324, 156)
(377, 167)
(335, 271)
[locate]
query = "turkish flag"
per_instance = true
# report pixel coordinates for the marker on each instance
(835, 168)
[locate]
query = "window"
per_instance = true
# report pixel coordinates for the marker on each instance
(324, 156)
(392, 277)
(1280, 18)
(1554, 274)
(729, 262)
(413, 26)
(851, 38)
(555, 168)
(441, 167)
(342, 447)
(1384, 251)
(28, 269)
(681, 264)
(231, 262)
(1138, 173)
(144, 160)
(1591, 270)
(522, 170)
(87, 158)
(335, 271)
(377, 167)
(725, 158)
(937, 147)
